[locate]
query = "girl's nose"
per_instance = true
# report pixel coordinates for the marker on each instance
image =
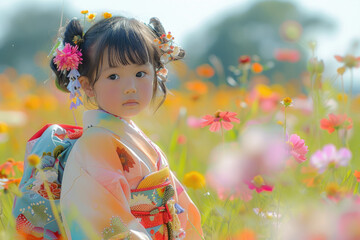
(130, 87)
(130, 90)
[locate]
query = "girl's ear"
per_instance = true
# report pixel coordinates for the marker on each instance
(85, 85)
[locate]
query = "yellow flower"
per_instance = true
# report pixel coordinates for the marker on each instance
(332, 189)
(91, 17)
(341, 70)
(50, 102)
(84, 11)
(3, 127)
(280, 123)
(33, 160)
(258, 181)
(341, 97)
(263, 90)
(107, 15)
(32, 102)
(286, 102)
(194, 180)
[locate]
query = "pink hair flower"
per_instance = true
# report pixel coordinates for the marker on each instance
(297, 148)
(220, 119)
(68, 59)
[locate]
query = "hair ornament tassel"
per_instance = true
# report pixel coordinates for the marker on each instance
(68, 58)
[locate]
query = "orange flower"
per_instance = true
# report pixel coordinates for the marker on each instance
(349, 60)
(256, 67)
(335, 122)
(5, 183)
(197, 86)
(357, 175)
(91, 17)
(84, 11)
(205, 70)
(107, 15)
(8, 167)
(245, 234)
(220, 119)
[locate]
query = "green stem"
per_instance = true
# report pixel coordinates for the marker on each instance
(351, 89)
(84, 25)
(52, 204)
(285, 124)
(244, 76)
(343, 90)
(222, 133)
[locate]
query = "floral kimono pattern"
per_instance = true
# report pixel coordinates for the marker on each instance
(117, 185)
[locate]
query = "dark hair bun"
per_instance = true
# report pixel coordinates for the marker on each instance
(159, 30)
(72, 29)
(157, 27)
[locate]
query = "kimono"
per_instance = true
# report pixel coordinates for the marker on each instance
(117, 185)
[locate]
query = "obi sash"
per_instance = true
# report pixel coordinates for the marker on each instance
(153, 205)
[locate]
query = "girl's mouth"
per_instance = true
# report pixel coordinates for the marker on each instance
(129, 104)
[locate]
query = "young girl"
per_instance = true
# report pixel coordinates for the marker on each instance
(117, 183)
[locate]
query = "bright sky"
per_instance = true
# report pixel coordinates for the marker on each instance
(184, 17)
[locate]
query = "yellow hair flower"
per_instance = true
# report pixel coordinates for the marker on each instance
(84, 12)
(91, 17)
(107, 15)
(194, 180)
(33, 160)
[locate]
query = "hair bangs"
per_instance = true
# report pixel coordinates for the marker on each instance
(127, 46)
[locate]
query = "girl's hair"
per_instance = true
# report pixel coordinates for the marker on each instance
(127, 40)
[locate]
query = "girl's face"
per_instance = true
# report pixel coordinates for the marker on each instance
(124, 90)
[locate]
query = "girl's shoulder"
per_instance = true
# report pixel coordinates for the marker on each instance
(94, 135)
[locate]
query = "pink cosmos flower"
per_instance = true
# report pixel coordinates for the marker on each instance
(220, 119)
(69, 58)
(298, 149)
(329, 156)
(335, 122)
(258, 184)
(287, 55)
(194, 122)
(348, 225)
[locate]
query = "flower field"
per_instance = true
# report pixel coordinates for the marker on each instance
(261, 158)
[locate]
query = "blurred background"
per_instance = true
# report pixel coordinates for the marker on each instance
(278, 31)
(242, 56)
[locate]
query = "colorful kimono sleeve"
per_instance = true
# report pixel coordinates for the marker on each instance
(190, 219)
(95, 193)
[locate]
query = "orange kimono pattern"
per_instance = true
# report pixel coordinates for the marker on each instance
(117, 185)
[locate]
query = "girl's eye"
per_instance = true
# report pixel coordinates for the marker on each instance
(139, 75)
(113, 76)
